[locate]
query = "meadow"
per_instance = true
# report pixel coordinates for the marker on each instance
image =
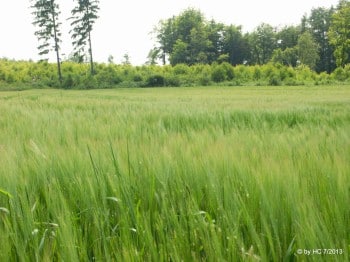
(175, 174)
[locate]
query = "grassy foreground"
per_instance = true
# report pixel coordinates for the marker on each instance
(216, 174)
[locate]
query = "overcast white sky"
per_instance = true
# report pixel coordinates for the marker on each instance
(125, 26)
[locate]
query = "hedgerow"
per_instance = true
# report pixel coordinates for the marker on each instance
(29, 74)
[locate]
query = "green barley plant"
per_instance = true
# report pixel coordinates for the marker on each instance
(168, 174)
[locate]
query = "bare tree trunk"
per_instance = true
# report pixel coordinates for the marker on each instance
(90, 53)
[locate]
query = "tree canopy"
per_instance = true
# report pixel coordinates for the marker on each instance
(46, 14)
(84, 15)
(319, 41)
(339, 33)
(190, 38)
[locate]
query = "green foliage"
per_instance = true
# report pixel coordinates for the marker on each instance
(24, 74)
(319, 40)
(180, 53)
(262, 42)
(234, 45)
(274, 80)
(287, 37)
(108, 77)
(222, 72)
(342, 74)
(181, 69)
(84, 15)
(155, 81)
(218, 74)
(46, 14)
(189, 38)
(319, 23)
(307, 50)
(339, 34)
(288, 56)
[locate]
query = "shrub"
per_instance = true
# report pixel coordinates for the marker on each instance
(155, 81)
(274, 80)
(222, 72)
(257, 73)
(342, 74)
(108, 77)
(172, 80)
(228, 70)
(304, 73)
(286, 72)
(88, 82)
(322, 79)
(218, 74)
(68, 82)
(137, 78)
(243, 73)
(180, 69)
(204, 80)
(268, 70)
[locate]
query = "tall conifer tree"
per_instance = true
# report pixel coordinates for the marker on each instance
(84, 15)
(46, 14)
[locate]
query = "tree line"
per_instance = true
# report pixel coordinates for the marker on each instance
(320, 41)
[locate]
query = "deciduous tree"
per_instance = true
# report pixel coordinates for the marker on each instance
(234, 45)
(262, 42)
(339, 33)
(319, 22)
(185, 38)
(288, 56)
(307, 50)
(287, 37)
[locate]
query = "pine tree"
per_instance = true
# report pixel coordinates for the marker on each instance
(84, 15)
(46, 14)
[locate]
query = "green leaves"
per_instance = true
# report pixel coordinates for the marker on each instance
(308, 50)
(263, 42)
(189, 38)
(339, 33)
(3, 192)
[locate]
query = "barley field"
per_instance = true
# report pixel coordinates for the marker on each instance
(175, 174)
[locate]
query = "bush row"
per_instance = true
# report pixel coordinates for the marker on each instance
(27, 74)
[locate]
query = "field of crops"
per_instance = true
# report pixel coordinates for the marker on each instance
(175, 174)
